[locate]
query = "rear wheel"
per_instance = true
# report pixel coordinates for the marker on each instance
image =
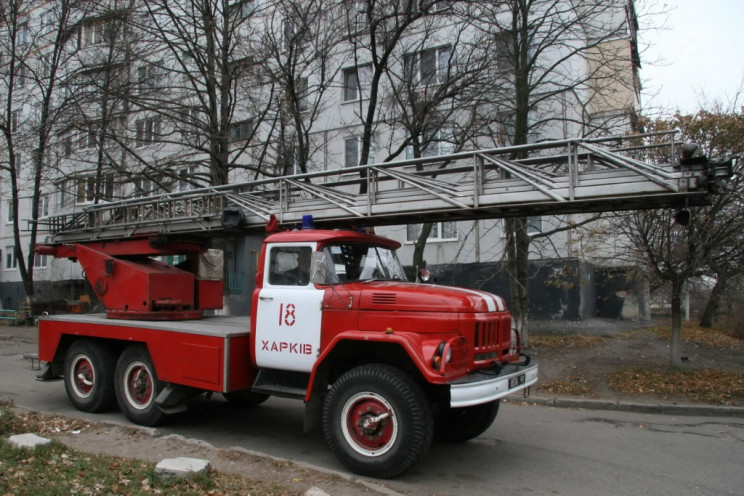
(462, 424)
(89, 376)
(377, 421)
(137, 386)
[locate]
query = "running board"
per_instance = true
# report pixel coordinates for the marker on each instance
(282, 383)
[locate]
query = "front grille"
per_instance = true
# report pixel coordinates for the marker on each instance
(491, 338)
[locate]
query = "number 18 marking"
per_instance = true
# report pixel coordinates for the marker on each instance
(287, 314)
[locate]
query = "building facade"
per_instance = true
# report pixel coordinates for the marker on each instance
(118, 99)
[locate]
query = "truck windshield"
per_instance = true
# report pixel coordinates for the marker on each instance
(362, 262)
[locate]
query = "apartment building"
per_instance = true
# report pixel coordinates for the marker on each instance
(144, 97)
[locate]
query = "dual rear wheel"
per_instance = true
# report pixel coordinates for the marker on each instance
(95, 380)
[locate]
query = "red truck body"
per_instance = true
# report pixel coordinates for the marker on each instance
(383, 363)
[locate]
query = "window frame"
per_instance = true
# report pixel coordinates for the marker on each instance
(240, 131)
(40, 261)
(439, 75)
(436, 234)
(358, 151)
(23, 34)
(10, 261)
(362, 74)
(10, 214)
(146, 131)
(183, 173)
(443, 139)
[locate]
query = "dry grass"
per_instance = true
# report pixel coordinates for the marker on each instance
(710, 386)
(574, 386)
(57, 469)
(692, 333)
(566, 341)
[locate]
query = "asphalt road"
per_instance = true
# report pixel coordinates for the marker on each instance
(528, 450)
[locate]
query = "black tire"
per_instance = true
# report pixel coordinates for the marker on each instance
(462, 424)
(245, 398)
(137, 386)
(89, 376)
(385, 447)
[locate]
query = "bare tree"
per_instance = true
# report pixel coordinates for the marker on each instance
(709, 239)
(300, 40)
(719, 130)
(556, 66)
(34, 55)
(434, 95)
(376, 30)
(197, 99)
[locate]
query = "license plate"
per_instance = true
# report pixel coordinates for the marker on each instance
(516, 381)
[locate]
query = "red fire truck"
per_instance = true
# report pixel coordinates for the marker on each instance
(382, 363)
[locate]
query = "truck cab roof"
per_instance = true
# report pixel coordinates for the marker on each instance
(331, 236)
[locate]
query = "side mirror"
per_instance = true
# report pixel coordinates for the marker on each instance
(319, 271)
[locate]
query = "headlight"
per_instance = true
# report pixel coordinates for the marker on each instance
(443, 356)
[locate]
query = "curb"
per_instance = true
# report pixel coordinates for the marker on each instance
(626, 406)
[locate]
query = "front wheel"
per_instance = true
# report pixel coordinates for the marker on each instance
(89, 376)
(462, 424)
(137, 386)
(377, 421)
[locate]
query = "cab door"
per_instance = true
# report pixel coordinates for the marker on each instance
(289, 311)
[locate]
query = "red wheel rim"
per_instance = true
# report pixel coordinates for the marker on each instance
(139, 385)
(369, 424)
(83, 376)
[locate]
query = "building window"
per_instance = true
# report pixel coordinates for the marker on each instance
(147, 131)
(85, 188)
(95, 32)
(15, 118)
(11, 262)
(20, 76)
(40, 261)
(87, 137)
(186, 179)
(353, 152)
(242, 9)
(22, 35)
(534, 224)
(148, 76)
(240, 131)
(428, 67)
(43, 210)
(295, 33)
(46, 20)
(356, 16)
(440, 231)
(301, 94)
(10, 216)
(440, 142)
(357, 82)
(65, 198)
(145, 186)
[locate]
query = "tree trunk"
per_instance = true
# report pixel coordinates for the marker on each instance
(517, 251)
(675, 348)
(714, 302)
(418, 249)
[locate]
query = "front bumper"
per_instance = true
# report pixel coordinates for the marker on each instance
(484, 387)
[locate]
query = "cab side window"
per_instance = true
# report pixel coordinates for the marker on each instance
(289, 265)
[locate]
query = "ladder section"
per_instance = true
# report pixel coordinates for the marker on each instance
(568, 176)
